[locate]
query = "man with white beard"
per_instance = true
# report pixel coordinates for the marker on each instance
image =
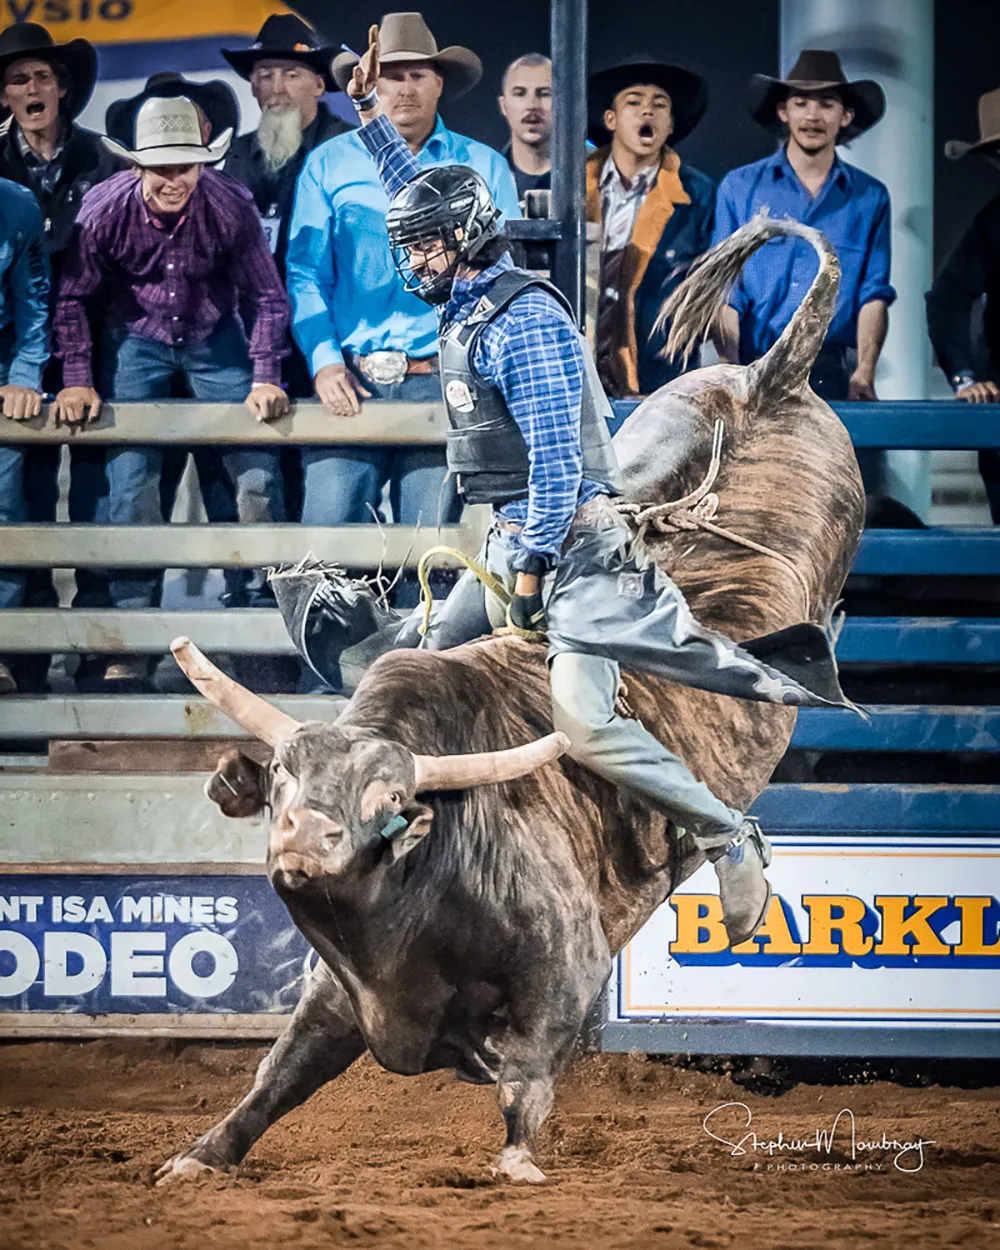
(288, 71)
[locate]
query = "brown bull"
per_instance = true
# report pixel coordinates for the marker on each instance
(466, 909)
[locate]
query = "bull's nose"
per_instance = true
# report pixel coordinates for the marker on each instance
(296, 827)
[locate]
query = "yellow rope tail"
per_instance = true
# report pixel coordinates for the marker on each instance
(488, 580)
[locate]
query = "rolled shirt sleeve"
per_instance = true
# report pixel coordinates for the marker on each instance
(875, 284)
(30, 290)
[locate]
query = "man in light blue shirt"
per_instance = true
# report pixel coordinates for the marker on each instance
(813, 110)
(363, 335)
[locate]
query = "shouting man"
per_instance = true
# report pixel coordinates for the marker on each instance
(46, 85)
(655, 213)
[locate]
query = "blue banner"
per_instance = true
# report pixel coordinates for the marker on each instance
(135, 944)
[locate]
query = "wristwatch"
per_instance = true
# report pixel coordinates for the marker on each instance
(965, 378)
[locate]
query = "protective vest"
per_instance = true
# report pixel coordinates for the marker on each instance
(486, 449)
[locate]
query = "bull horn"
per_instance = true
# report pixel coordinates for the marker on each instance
(483, 768)
(250, 711)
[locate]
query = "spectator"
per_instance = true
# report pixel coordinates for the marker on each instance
(24, 350)
(215, 102)
(45, 86)
(172, 249)
(971, 272)
(655, 213)
(218, 111)
(813, 110)
(288, 72)
(363, 334)
(526, 102)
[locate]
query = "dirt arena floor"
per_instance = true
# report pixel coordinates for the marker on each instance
(376, 1160)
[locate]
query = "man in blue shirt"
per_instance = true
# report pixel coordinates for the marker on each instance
(24, 352)
(363, 335)
(813, 110)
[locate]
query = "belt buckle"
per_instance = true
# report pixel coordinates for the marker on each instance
(385, 368)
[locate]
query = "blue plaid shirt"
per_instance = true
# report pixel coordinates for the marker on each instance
(852, 209)
(533, 355)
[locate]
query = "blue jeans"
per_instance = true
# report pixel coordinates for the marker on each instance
(13, 511)
(216, 371)
(342, 485)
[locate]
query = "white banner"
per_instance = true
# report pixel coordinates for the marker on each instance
(860, 931)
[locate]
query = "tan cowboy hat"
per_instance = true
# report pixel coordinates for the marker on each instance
(405, 37)
(817, 70)
(989, 129)
(168, 132)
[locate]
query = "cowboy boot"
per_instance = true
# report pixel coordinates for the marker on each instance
(744, 891)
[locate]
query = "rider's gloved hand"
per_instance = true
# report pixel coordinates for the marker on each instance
(527, 612)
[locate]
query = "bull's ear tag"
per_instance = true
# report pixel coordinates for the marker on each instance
(390, 830)
(630, 585)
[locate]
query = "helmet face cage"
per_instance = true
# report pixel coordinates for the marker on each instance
(421, 279)
(459, 222)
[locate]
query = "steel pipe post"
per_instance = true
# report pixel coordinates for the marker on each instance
(569, 156)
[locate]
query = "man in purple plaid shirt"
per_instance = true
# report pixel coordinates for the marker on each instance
(169, 251)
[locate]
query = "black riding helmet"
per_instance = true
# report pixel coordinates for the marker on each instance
(442, 210)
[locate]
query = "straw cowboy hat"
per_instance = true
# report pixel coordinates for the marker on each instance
(989, 130)
(688, 95)
(284, 37)
(216, 100)
(405, 37)
(817, 70)
(167, 132)
(27, 41)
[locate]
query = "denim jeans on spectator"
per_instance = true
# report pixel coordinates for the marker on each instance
(216, 371)
(13, 508)
(343, 484)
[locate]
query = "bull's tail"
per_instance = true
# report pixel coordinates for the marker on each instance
(697, 302)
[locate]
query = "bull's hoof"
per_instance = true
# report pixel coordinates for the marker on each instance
(516, 1164)
(187, 1167)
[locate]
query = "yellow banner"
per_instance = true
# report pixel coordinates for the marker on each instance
(140, 21)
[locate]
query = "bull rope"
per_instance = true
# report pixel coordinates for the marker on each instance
(697, 510)
(694, 511)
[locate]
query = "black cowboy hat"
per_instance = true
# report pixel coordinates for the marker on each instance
(284, 37)
(216, 99)
(28, 41)
(688, 94)
(817, 70)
